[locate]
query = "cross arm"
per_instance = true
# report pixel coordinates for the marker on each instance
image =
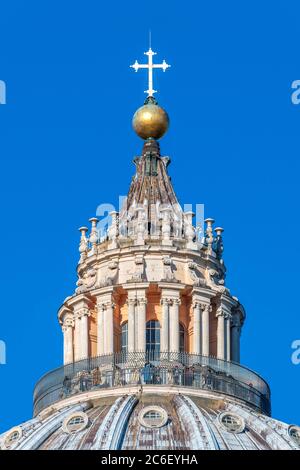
(163, 66)
(137, 66)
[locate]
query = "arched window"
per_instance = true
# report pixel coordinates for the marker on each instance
(181, 338)
(153, 336)
(124, 337)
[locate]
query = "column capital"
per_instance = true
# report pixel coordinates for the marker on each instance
(238, 312)
(104, 304)
(142, 301)
(64, 313)
(131, 302)
(110, 304)
(197, 304)
(171, 292)
(103, 297)
(236, 321)
(82, 312)
(220, 312)
(170, 301)
(225, 304)
(100, 304)
(205, 307)
(223, 312)
(68, 323)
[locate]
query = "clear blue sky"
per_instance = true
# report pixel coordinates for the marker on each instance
(66, 146)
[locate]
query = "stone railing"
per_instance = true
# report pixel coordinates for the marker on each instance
(172, 227)
(139, 368)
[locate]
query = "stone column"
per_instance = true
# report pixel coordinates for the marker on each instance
(221, 333)
(227, 337)
(197, 328)
(164, 331)
(81, 308)
(77, 338)
(174, 325)
(206, 309)
(109, 328)
(235, 339)
(170, 300)
(141, 324)
(202, 296)
(105, 320)
(131, 324)
(223, 329)
(100, 328)
(84, 333)
(67, 329)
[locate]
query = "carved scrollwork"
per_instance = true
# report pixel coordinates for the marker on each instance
(195, 275)
(168, 270)
(216, 281)
(139, 274)
(110, 276)
(86, 281)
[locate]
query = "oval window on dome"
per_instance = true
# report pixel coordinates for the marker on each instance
(294, 433)
(153, 417)
(12, 438)
(75, 423)
(232, 423)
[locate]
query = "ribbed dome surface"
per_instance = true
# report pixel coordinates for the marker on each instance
(152, 422)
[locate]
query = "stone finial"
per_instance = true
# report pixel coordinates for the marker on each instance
(141, 226)
(166, 225)
(189, 230)
(113, 231)
(83, 231)
(218, 246)
(209, 238)
(94, 233)
(83, 243)
(219, 231)
(189, 216)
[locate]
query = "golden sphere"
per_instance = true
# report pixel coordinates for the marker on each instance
(150, 121)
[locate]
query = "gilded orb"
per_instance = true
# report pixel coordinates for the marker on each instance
(150, 121)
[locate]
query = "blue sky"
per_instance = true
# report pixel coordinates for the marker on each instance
(66, 146)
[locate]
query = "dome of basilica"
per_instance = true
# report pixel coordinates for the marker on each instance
(151, 332)
(152, 421)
